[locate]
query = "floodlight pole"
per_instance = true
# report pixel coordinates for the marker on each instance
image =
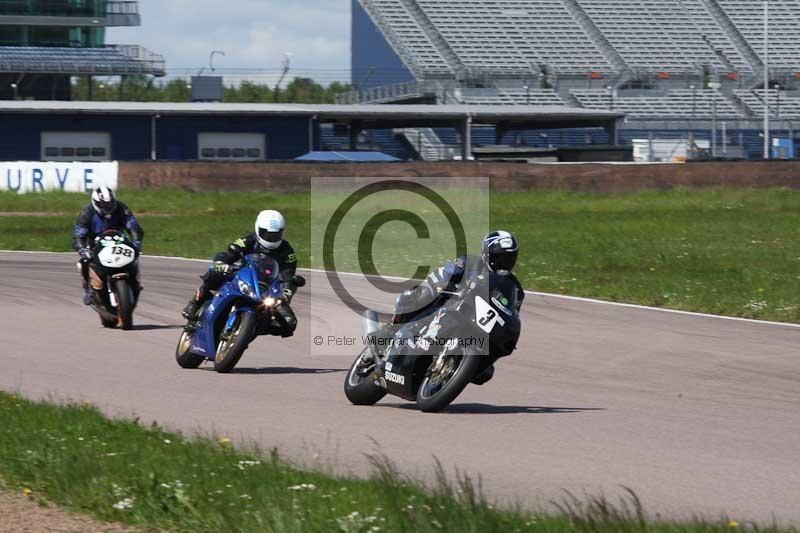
(766, 80)
(715, 86)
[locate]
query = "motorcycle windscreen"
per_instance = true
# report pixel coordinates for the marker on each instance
(267, 271)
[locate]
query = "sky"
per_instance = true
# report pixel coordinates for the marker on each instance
(254, 34)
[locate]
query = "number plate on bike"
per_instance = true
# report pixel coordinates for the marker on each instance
(118, 256)
(486, 316)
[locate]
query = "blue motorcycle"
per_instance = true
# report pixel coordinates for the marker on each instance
(246, 306)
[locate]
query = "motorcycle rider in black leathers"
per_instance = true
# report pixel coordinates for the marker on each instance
(268, 240)
(102, 214)
(499, 254)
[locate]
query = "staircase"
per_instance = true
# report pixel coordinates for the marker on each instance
(427, 144)
(449, 55)
(398, 43)
(608, 50)
(736, 36)
(743, 108)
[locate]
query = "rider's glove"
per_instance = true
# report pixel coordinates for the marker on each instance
(85, 253)
(138, 246)
(288, 293)
(218, 267)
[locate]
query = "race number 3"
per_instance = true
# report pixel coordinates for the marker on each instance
(123, 251)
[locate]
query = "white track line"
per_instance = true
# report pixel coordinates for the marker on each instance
(533, 293)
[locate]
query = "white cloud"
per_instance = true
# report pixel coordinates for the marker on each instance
(255, 34)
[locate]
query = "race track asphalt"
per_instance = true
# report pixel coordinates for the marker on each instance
(698, 415)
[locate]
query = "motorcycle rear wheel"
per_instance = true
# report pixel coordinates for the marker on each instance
(231, 350)
(433, 397)
(359, 387)
(125, 304)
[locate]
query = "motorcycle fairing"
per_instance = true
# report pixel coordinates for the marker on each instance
(206, 338)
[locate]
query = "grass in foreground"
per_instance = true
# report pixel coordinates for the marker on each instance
(728, 251)
(122, 472)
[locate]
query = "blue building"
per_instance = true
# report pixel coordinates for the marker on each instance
(130, 131)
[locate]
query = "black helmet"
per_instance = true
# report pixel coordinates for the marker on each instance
(500, 251)
(103, 201)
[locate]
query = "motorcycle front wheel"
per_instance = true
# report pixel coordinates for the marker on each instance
(183, 356)
(359, 386)
(231, 348)
(441, 386)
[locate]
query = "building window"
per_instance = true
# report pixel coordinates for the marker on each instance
(75, 146)
(240, 147)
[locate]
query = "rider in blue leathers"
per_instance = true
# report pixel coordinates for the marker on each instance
(102, 214)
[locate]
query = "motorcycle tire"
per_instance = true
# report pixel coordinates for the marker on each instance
(465, 372)
(183, 356)
(361, 390)
(125, 304)
(242, 335)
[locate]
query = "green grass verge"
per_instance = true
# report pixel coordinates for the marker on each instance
(728, 251)
(119, 471)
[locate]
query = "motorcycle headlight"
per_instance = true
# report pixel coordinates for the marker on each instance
(269, 301)
(246, 289)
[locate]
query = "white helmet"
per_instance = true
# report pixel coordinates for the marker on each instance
(104, 202)
(269, 229)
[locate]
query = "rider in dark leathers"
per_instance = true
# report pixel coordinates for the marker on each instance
(102, 214)
(499, 254)
(268, 240)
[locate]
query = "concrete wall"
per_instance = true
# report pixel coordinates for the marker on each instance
(294, 177)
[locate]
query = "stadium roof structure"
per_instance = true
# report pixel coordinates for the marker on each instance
(110, 60)
(350, 157)
(358, 117)
(389, 115)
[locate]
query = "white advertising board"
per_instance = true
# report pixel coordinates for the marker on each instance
(28, 177)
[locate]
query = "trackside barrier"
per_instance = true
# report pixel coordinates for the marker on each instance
(29, 177)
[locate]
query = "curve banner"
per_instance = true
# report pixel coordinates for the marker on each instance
(29, 177)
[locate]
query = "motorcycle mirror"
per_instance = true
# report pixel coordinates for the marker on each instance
(300, 281)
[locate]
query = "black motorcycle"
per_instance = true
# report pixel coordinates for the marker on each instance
(112, 278)
(432, 358)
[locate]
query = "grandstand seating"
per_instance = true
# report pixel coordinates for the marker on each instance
(658, 35)
(108, 60)
(385, 141)
(583, 36)
(784, 47)
(512, 97)
(788, 107)
(677, 104)
(498, 35)
(405, 31)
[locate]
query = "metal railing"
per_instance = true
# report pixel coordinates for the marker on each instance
(155, 62)
(384, 93)
(122, 7)
(36, 9)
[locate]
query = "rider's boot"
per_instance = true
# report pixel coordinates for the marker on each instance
(87, 294)
(190, 311)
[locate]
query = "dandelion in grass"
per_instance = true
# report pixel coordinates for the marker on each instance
(224, 441)
(26, 491)
(167, 441)
(733, 524)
